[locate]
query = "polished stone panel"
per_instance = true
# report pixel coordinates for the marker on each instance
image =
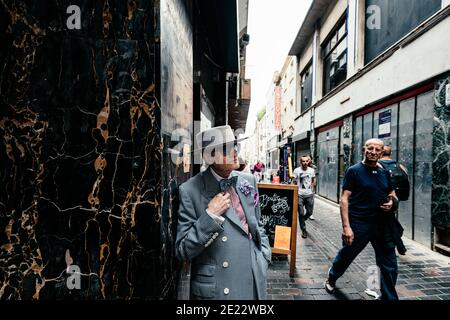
(358, 143)
(405, 149)
(81, 153)
(423, 176)
(328, 164)
(441, 157)
(345, 156)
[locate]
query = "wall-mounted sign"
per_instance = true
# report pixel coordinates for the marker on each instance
(384, 124)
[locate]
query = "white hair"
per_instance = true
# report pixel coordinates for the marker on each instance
(374, 140)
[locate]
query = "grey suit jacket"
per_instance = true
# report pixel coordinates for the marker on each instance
(225, 263)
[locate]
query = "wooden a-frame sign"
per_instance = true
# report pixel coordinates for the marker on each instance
(278, 203)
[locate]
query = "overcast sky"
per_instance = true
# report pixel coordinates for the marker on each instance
(272, 26)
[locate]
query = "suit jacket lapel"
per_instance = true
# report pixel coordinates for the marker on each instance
(210, 183)
(247, 204)
(212, 188)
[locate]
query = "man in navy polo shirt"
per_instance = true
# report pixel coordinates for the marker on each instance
(367, 192)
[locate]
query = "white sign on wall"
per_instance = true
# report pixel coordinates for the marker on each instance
(384, 124)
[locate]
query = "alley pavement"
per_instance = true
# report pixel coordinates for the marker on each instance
(423, 273)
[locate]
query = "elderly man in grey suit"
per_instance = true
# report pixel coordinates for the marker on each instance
(219, 228)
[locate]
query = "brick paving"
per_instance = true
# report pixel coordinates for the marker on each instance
(423, 273)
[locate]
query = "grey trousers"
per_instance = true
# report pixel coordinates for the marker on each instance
(305, 209)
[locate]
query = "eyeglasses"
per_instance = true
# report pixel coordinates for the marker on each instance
(227, 148)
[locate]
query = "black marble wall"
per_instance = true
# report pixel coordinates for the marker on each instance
(441, 155)
(80, 152)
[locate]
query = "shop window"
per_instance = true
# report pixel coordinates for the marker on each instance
(334, 53)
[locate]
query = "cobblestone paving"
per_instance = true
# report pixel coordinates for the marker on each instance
(423, 273)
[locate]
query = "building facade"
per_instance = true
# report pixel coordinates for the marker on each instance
(378, 69)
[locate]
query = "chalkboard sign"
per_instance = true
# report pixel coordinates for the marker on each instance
(278, 204)
(276, 209)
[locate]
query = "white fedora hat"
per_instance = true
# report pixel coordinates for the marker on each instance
(215, 137)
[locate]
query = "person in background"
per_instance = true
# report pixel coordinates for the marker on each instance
(311, 164)
(259, 170)
(398, 174)
(219, 230)
(390, 228)
(304, 177)
(386, 159)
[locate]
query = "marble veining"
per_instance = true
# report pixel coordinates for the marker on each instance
(441, 156)
(81, 153)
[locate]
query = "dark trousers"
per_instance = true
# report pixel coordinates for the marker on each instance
(386, 259)
(305, 209)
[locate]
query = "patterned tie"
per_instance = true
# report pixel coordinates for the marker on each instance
(227, 183)
(239, 210)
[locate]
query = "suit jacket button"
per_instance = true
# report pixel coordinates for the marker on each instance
(226, 291)
(224, 238)
(225, 264)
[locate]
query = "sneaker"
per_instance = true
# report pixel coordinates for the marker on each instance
(311, 217)
(304, 234)
(330, 286)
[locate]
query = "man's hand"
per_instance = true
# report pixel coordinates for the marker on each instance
(348, 236)
(219, 204)
(386, 207)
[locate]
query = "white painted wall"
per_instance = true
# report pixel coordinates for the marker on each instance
(288, 99)
(303, 124)
(424, 58)
(270, 112)
(352, 22)
(316, 69)
(331, 18)
(306, 56)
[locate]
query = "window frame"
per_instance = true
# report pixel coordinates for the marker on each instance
(326, 53)
(307, 69)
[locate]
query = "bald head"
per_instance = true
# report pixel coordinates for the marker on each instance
(373, 150)
(387, 151)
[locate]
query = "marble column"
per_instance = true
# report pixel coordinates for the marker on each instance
(346, 141)
(80, 152)
(441, 155)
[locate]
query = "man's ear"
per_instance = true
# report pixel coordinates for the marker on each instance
(208, 156)
(209, 160)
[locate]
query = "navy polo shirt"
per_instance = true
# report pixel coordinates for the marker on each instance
(369, 187)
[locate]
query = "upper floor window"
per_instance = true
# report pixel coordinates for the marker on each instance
(334, 53)
(389, 21)
(306, 88)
